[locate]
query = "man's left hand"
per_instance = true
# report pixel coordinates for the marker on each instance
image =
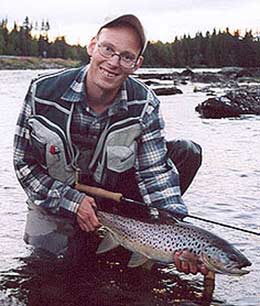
(187, 262)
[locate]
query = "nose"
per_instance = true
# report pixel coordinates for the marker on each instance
(115, 59)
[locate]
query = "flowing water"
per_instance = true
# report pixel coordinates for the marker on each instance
(226, 189)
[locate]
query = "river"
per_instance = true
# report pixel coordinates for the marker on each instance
(226, 189)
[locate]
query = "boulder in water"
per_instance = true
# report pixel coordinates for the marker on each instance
(232, 104)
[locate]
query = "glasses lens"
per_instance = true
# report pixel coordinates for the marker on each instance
(126, 59)
(105, 50)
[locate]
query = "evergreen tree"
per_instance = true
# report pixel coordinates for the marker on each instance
(13, 45)
(3, 36)
(2, 42)
(25, 38)
(218, 49)
(248, 52)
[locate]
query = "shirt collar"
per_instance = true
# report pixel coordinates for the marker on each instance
(120, 102)
(76, 91)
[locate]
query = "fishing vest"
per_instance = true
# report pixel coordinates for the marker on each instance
(115, 152)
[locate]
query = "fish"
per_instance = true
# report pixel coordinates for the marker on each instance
(158, 241)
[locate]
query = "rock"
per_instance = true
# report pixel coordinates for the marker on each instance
(232, 104)
(187, 72)
(183, 82)
(216, 108)
(151, 82)
(239, 72)
(222, 78)
(166, 91)
(229, 71)
(154, 75)
(245, 73)
(207, 77)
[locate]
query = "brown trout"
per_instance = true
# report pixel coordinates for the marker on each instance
(158, 242)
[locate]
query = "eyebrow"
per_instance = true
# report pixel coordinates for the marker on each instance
(114, 47)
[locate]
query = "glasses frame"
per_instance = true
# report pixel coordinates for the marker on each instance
(133, 63)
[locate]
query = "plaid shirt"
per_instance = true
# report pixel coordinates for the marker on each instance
(157, 177)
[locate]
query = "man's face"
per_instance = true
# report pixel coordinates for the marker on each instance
(108, 73)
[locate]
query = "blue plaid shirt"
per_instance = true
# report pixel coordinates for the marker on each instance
(157, 177)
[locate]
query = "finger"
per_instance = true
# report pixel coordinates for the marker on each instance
(185, 267)
(193, 268)
(187, 262)
(93, 219)
(190, 257)
(192, 261)
(88, 227)
(177, 261)
(94, 223)
(204, 270)
(87, 214)
(85, 225)
(92, 201)
(180, 260)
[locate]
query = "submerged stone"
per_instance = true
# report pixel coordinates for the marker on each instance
(233, 104)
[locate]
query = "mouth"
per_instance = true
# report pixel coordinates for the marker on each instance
(233, 269)
(107, 73)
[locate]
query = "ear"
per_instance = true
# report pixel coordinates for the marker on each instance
(138, 63)
(91, 45)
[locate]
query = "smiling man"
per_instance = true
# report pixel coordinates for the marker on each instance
(109, 68)
(106, 125)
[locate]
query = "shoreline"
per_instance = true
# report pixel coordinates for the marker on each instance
(29, 62)
(14, 62)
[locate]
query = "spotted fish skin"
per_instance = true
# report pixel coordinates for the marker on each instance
(158, 242)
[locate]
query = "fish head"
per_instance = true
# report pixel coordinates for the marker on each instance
(222, 257)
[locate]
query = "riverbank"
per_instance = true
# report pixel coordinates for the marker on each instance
(29, 62)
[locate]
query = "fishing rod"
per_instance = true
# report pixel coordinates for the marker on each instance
(119, 198)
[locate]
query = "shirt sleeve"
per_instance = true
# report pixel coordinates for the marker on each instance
(157, 176)
(41, 189)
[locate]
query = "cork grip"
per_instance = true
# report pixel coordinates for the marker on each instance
(99, 192)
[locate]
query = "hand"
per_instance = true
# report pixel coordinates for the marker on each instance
(86, 216)
(188, 263)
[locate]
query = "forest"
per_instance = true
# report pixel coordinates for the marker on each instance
(219, 48)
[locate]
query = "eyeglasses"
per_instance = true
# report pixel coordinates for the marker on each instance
(126, 59)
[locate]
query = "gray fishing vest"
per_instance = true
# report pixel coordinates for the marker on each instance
(50, 122)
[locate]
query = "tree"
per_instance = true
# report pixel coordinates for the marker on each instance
(3, 36)
(13, 45)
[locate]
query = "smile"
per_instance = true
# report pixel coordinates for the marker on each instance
(108, 74)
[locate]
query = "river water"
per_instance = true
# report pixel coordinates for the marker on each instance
(226, 189)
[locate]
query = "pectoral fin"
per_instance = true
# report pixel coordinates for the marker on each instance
(136, 260)
(108, 243)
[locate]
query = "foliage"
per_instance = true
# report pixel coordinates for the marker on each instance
(212, 50)
(216, 49)
(31, 40)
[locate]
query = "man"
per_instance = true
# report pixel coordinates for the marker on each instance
(99, 121)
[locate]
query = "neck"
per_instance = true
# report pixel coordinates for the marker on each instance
(99, 99)
(99, 104)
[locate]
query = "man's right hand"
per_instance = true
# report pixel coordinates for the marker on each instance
(86, 216)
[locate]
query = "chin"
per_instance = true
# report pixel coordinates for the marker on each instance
(110, 84)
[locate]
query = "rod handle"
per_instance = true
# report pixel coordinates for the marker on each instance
(99, 192)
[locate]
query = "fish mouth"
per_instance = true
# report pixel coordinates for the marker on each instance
(233, 269)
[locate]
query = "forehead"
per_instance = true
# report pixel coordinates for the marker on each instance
(122, 37)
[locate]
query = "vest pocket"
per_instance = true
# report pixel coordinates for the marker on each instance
(38, 149)
(120, 158)
(49, 149)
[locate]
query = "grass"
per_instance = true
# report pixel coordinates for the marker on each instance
(28, 62)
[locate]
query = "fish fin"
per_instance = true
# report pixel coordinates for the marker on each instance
(108, 243)
(167, 218)
(136, 260)
(148, 265)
